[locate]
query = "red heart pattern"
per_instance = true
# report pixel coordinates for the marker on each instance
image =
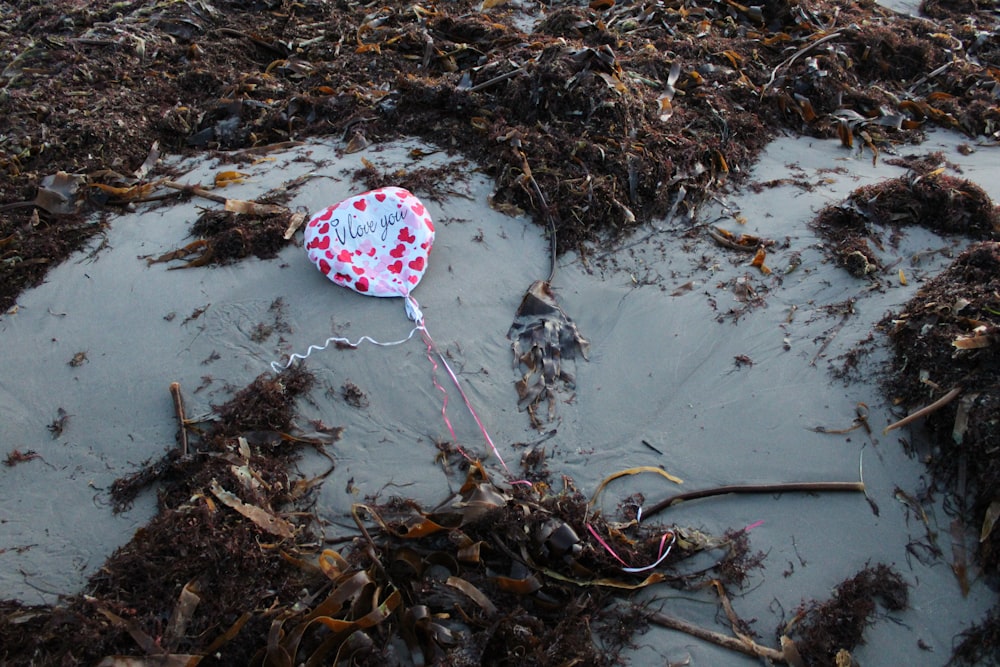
(377, 243)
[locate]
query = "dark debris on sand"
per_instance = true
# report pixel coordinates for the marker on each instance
(233, 569)
(945, 340)
(596, 120)
(925, 196)
(826, 632)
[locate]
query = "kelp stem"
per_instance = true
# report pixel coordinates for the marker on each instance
(924, 411)
(175, 392)
(802, 487)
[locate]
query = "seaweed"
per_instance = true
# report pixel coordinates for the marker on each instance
(926, 196)
(617, 107)
(946, 341)
(822, 630)
(979, 645)
(542, 337)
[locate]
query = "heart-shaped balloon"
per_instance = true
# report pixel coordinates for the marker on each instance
(376, 243)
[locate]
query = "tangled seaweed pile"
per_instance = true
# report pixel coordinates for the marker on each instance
(926, 196)
(947, 342)
(189, 580)
(233, 569)
(597, 118)
(947, 347)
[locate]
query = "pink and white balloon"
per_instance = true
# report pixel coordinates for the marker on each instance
(377, 243)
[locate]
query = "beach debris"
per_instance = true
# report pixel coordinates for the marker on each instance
(742, 242)
(978, 645)
(758, 261)
(860, 421)
(244, 229)
(178, 398)
(822, 630)
(925, 196)
(58, 194)
(375, 243)
(949, 396)
(781, 487)
(264, 519)
(616, 128)
(196, 313)
(353, 395)
(16, 456)
(945, 365)
(583, 90)
(741, 644)
(58, 425)
(543, 337)
(492, 573)
(741, 640)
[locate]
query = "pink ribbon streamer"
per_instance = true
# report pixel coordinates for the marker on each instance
(414, 313)
(661, 554)
(432, 349)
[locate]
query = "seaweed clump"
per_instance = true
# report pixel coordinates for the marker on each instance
(196, 577)
(980, 644)
(824, 631)
(947, 359)
(947, 337)
(492, 576)
(926, 196)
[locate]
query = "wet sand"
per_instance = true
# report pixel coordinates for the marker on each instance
(662, 369)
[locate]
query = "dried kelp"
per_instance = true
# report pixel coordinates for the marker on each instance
(491, 576)
(543, 336)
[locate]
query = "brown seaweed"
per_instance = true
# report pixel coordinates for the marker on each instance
(926, 196)
(946, 346)
(823, 631)
(543, 336)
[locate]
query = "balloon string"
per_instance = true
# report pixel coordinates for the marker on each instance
(433, 348)
(414, 313)
(662, 554)
(277, 367)
(444, 403)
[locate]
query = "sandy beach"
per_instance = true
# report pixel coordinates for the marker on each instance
(213, 453)
(666, 325)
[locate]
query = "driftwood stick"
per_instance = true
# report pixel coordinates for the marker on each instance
(745, 646)
(800, 487)
(924, 411)
(175, 392)
(497, 79)
(194, 190)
